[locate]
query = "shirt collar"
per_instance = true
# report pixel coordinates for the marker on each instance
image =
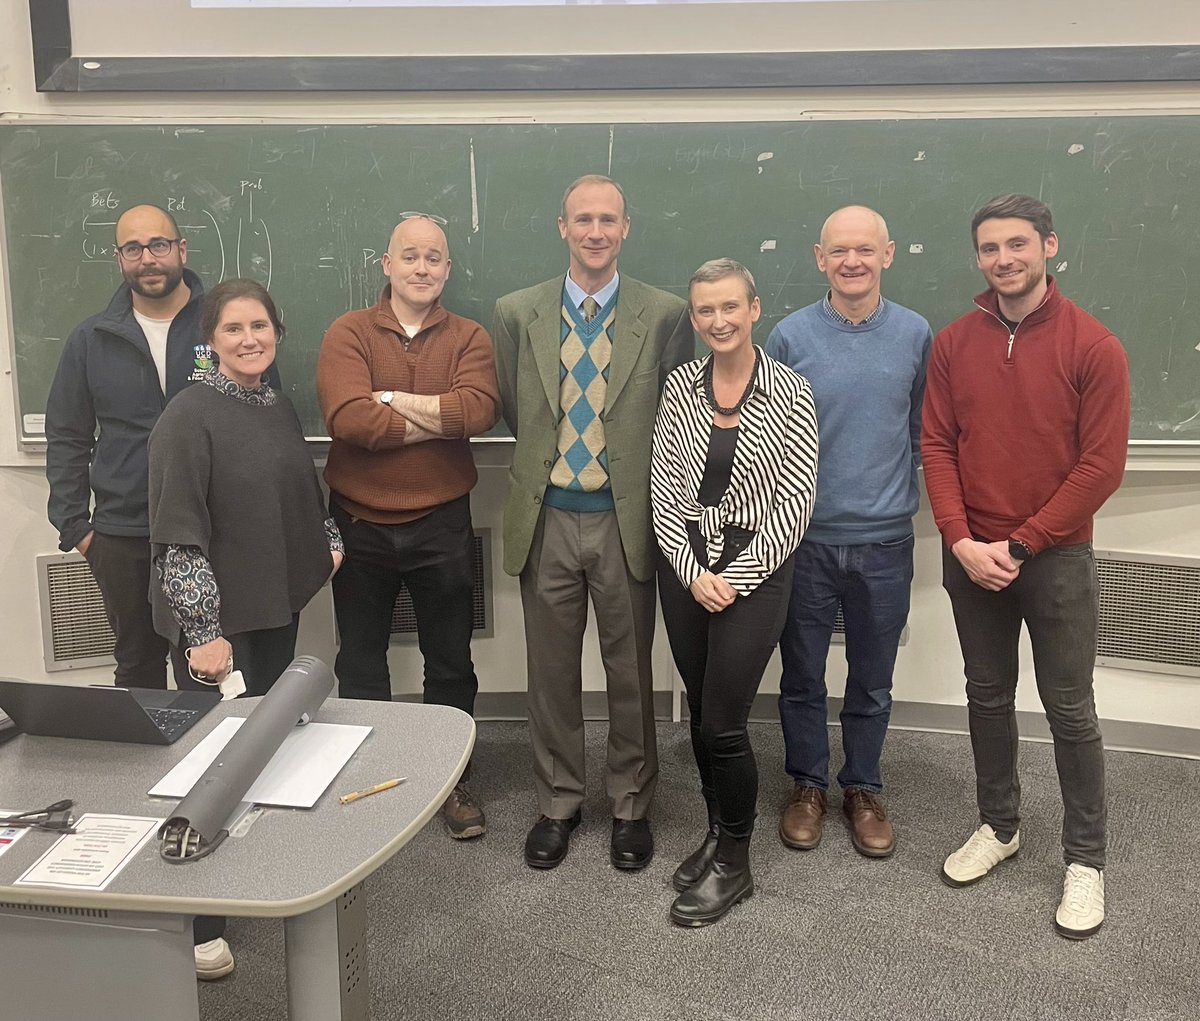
(837, 316)
(576, 294)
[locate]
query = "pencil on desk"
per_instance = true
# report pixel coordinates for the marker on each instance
(387, 785)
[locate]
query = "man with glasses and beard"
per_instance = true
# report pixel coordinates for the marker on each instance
(116, 374)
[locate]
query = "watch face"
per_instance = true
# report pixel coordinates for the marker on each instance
(387, 397)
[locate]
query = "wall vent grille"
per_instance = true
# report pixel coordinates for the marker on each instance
(404, 618)
(75, 631)
(1149, 612)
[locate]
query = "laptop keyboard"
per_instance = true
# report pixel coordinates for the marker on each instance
(172, 721)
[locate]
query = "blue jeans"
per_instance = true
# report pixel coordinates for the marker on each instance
(1057, 595)
(872, 582)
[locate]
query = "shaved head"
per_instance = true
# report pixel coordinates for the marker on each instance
(146, 218)
(422, 228)
(855, 218)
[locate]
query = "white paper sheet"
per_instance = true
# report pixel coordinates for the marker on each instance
(297, 775)
(90, 857)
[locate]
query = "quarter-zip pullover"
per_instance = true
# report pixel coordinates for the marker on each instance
(1025, 432)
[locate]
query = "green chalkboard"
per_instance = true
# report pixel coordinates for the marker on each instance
(308, 210)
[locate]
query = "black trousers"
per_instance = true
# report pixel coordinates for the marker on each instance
(434, 557)
(721, 658)
(122, 569)
(262, 656)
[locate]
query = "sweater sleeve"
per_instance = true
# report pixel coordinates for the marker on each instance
(180, 475)
(1103, 443)
(472, 404)
(939, 447)
(917, 399)
(668, 487)
(344, 388)
(70, 442)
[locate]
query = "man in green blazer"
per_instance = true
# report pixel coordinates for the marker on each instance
(581, 362)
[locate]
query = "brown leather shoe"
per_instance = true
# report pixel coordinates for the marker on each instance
(802, 818)
(870, 830)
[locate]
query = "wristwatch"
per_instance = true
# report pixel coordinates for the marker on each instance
(1018, 550)
(387, 397)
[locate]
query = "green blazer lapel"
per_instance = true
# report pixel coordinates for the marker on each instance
(629, 336)
(545, 337)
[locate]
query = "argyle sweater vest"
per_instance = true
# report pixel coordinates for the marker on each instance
(579, 476)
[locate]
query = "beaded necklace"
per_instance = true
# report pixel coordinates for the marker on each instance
(711, 396)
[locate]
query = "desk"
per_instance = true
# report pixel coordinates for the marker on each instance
(126, 951)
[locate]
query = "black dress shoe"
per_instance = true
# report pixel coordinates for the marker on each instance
(547, 843)
(632, 844)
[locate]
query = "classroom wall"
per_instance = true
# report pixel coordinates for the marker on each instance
(1155, 510)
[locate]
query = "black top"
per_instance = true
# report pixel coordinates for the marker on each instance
(718, 467)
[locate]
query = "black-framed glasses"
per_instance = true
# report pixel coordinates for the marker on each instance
(131, 251)
(54, 818)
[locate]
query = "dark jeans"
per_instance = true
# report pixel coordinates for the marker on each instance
(721, 658)
(434, 557)
(1057, 596)
(121, 566)
(872, 582)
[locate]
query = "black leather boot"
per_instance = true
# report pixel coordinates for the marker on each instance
(693, 866)
(726, 882)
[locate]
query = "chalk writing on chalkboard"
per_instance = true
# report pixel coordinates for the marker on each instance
(307, 210)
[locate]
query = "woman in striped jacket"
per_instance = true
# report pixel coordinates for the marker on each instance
(732, 481)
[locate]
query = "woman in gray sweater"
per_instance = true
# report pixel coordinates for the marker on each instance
(238, 526)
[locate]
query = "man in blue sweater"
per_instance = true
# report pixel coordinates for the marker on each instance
(865, 359)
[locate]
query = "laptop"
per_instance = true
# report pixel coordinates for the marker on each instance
(103, 712)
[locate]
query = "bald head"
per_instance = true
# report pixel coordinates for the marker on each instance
(421, 230)
(417, 264)
(854, 251)
(858, 219)
(146, 218)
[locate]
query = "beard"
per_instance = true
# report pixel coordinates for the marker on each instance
(154, 283)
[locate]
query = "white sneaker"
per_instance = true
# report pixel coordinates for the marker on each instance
(214, 959)
(977, 857)
(1081, 911)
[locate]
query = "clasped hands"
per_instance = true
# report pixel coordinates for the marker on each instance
(987, 564)
(713, 592)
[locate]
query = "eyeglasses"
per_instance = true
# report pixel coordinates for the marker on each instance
(54, 818)
(131, 251)
(413, 214)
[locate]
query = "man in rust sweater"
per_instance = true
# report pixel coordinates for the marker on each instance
(1025, 427)
(403, 386)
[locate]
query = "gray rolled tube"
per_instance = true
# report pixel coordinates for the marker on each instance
(206, 810)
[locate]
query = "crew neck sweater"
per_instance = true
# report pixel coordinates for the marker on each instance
(868, 383)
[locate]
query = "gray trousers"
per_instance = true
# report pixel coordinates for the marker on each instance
(574, 557)
(1057, 596)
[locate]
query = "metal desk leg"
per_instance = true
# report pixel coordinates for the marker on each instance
(327, 961)
(105, 965)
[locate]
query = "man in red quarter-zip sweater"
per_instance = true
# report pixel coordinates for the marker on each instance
(1025, 428)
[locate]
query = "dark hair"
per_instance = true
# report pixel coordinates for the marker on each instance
(593, 179)
(230, 290)
(719, 269)
(1020, 207)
